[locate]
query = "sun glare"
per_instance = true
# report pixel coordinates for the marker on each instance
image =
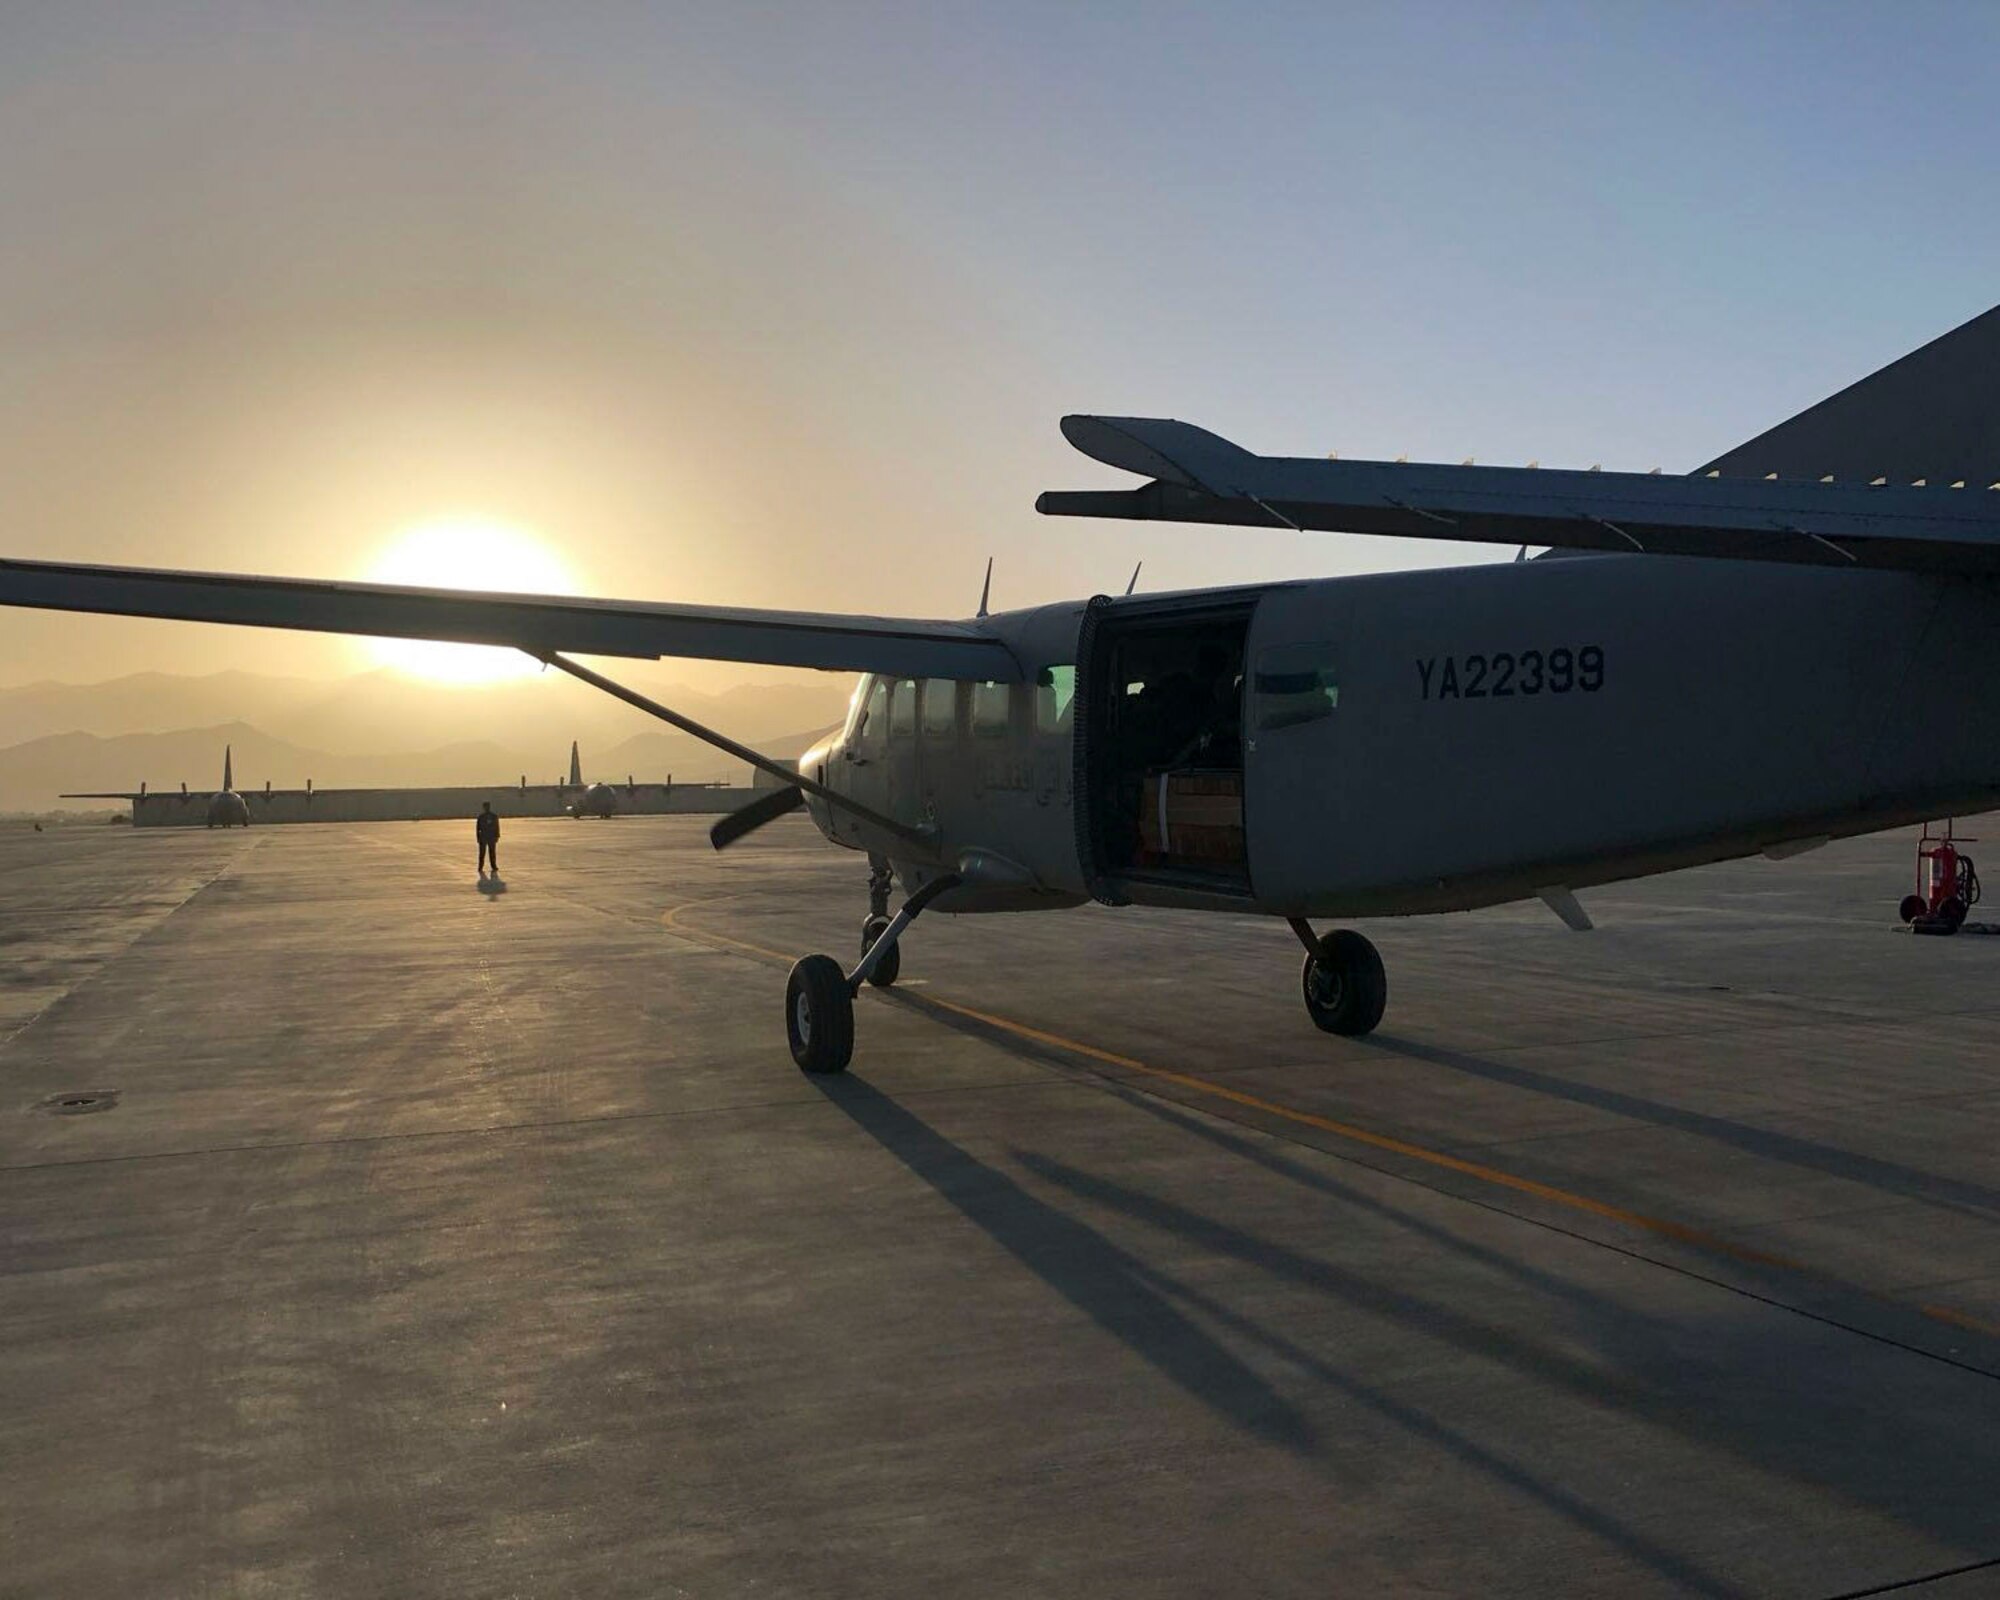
(465, 553)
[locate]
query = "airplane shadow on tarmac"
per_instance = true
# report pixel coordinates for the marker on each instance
(1088, 1270)
(1804, 1432)
(1924, 1466)
(1143, 1308)
(1908, 1182)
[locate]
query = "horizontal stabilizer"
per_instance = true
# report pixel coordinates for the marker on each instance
(1559, 899)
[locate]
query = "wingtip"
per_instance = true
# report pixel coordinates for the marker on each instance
(1158, 447)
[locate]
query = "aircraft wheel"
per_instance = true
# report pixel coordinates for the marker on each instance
(1912, 907)
(819, 1015)
(1345, 992)
(890, 965)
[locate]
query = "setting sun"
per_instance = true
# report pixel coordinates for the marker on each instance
(467, 552)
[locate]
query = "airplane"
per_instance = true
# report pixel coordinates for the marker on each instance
(226, 808)
(1792, 644)
(597, 799)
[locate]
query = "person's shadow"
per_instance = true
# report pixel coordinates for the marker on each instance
(492, 886)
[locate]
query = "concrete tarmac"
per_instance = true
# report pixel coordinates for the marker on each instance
(369, 1231)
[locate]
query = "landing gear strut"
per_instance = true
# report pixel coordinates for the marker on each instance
(880, 882)
(1343, 982)
(819, 997)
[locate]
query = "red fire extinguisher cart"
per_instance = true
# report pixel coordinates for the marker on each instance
(1947, 882)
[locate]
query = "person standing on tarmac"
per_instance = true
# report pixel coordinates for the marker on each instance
(487, 829)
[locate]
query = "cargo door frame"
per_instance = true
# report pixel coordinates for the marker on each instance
(1095, 758)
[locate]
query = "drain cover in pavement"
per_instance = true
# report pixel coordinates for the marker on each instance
(76, 1102)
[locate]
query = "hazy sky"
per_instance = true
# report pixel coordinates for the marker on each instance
(779, 305)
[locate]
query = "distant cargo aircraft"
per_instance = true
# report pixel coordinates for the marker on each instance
(1797, 642)
(574, 798)
(595, 799)
(226, 808)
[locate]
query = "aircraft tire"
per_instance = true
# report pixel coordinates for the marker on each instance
(1346, 993)
(819, 1015)
(891, 965)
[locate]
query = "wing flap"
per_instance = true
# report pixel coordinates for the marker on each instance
(1907, 528)
(539, 624)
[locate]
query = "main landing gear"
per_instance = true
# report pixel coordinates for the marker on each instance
(819, 997)
(1344, 985)
(1343, 982)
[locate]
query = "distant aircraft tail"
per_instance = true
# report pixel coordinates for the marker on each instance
(228, 773)
(1933, 414)
(575, 767)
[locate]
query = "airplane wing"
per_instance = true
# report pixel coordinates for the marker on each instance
(1198, 477)
(538, 624)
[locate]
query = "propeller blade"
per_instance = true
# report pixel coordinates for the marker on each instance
(748, 819)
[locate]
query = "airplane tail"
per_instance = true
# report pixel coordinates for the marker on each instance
(1932, 414)
(228, 772)
(575, 767)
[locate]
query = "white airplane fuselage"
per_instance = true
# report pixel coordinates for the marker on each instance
(1445, 739)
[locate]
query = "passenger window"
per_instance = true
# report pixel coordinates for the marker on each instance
(903, 709)
(1055, 688)
(990, 704)
(940, 708)
(1295, 683)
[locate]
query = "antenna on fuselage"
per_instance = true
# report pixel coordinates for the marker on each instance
(1135, 578)
(986, 588)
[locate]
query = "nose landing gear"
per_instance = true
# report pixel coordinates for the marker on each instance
(1344, 986)
(819, 997)
(876, 923)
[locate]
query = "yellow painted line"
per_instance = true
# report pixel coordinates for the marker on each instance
(1958, 1319)
(1381, 1141)
(670, 919)
(1665, 1227)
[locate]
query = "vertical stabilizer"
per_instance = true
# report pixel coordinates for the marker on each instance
(575, 767)
(228, 770)
(1933, 414)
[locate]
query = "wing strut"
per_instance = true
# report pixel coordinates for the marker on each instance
(722, 742)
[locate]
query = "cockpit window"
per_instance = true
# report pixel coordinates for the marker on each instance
(857, 708)
(903, 709)
(872, 725)
(1295, 683)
